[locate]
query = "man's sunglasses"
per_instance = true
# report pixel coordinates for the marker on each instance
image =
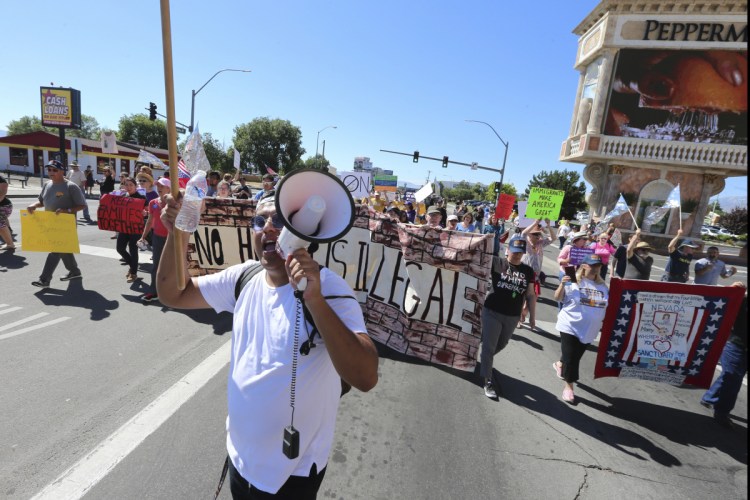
(259, 222)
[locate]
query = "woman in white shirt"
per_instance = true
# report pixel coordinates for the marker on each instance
(580, 319)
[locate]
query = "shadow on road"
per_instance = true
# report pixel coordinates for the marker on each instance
(676, 424)
(10, 260)
(77, 296)
(541, 401)
(388, 353)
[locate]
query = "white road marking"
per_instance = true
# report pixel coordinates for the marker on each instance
(9, 310)
(32, 328)
(22, 321)
(89, 470)
(109, 253)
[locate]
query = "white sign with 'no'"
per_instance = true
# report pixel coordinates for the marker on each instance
(358, 183)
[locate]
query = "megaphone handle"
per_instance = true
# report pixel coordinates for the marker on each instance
(302, 284)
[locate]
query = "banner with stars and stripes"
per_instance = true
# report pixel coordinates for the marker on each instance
(665, 332)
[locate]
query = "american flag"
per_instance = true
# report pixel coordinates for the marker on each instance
(183, 176)
(711, 323)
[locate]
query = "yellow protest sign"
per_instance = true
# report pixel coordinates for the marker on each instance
(44, 231)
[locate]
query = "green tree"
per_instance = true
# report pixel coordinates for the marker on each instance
(735, 220)
(138, 129)
(220, 160)
(318, 162)
(270, 143)
(563, 180)
(508, 188)
(26, 124)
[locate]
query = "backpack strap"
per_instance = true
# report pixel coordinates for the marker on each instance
(247, 274)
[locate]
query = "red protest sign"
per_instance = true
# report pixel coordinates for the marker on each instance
(120, 213)
(504, 206)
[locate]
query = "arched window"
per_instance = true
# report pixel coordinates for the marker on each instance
(653, 195)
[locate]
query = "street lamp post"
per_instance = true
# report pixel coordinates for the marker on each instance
(317, 143)
(505, 156)
(195, 92)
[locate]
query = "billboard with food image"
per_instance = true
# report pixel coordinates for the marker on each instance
(679, 95)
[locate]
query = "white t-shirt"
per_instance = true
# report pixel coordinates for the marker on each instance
(563, 231)
(260, 373)
(583, 310)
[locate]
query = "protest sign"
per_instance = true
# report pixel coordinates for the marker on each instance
(423, 192)
(44, 231)
(358, 183)
(504, 206)
(544, 203)
(665, 332)
(385, 182)
(524, 222)
(121, 213)
(578, 255)
(421, 289)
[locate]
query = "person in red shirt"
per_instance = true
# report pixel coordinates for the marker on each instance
(160, 234)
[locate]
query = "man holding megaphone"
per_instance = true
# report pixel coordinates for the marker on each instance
(269, 370)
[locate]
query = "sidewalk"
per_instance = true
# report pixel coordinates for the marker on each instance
(33, 189)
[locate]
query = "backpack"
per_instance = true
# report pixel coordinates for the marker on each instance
(250, 272)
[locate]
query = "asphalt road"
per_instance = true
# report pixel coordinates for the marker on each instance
(105, 397)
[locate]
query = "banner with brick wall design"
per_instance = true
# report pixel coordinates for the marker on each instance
(421, 289)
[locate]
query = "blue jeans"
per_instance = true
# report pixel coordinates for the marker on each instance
(723, 393)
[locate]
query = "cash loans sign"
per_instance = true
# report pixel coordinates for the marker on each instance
(61, 107)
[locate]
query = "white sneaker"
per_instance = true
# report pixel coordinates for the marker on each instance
(489, 390)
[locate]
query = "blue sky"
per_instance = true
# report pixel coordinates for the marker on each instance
(395, 75)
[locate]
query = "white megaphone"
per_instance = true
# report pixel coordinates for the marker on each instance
(315, 207)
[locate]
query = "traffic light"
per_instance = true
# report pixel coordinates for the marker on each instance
(151, 111)
(416, 157)
(497, 189)
(445, 162)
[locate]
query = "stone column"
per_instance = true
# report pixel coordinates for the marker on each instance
(596, 175)
(711, 184)
(577, 103)
(602, 87)
(612, 192)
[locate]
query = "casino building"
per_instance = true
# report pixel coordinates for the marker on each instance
(661, 101)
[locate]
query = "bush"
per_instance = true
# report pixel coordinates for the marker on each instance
(735, 220)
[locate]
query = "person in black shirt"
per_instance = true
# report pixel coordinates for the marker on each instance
(619, 260)
(639, 261)
(722, 395)
(127, 243)
(678, 265)
(108, 184)
(511, 282)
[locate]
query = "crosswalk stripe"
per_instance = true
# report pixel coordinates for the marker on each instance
(109, 253)
(22, 321)
(10, 310)
(32, 328)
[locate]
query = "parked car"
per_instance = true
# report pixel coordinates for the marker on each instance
(727, 232)
(582, 216)
(708, 231)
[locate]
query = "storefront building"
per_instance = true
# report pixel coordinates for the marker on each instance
(661, 101)
(28, 153)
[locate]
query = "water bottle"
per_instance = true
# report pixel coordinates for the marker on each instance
(190, 213)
